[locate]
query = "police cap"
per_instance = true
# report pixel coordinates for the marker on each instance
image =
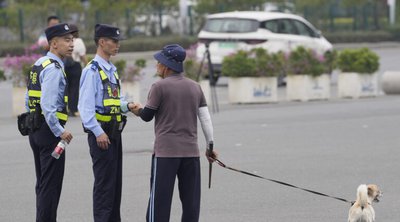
(58, 30)
(103, 30)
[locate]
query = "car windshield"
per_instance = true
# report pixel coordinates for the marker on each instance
(231, 25)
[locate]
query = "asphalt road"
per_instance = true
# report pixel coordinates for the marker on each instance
(327, 146)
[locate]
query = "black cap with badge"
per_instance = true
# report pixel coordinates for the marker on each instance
(58, 30)
(108, 31)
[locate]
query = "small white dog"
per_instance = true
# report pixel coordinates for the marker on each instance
(362, 210)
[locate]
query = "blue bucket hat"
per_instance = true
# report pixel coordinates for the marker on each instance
(172, 56)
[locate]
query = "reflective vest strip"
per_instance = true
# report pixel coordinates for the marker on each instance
(37, 93)
(112, 102)
(106, 118)
(62, 116)
(103, 75)
(46, 63)
(116, 75)
(34, 93)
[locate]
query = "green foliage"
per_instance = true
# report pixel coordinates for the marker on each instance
(362, 60)
(239, 65)
(192, 68)
(159, 3)
(268, 64)
(214, 6)
(141, 63)
(395, 31)
(120, 65)
(130, 73)
(258, 63)
(330, 61)
(89, 58)
(362, 36)
(2, 76)
(148, 44)
(304, 61)
(314, 3)
(130, 45)
(350, 3)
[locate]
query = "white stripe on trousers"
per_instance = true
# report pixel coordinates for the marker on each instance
(153, 190)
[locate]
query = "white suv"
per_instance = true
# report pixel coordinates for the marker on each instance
(228, 32)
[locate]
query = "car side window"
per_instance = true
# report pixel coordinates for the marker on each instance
(285, 26)
(271, 25)
(231, 25)
(303, 29)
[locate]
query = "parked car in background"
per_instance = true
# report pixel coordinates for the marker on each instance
(226, 33)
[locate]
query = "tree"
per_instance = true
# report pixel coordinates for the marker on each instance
(213, 6)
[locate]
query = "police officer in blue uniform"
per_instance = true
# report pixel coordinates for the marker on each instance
(101, 109)
(46, 101)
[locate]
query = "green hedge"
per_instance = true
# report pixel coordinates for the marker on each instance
(156, 43)
(12, 49)
(365, 36)
(141, 44)
(130, 45)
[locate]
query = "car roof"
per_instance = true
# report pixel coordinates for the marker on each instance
(256, 15)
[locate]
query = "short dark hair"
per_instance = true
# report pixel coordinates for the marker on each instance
(96, 41)
(51, 17)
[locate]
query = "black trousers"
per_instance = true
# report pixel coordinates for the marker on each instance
(163, 174)
(49, 173)
(73, 71)
(107, 170)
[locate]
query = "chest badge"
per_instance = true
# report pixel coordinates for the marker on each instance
(115, 93)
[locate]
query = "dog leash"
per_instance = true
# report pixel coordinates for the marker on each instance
(210, 150)
(282, 183)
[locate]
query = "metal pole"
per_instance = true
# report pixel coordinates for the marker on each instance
(190, 20)
(128, 21)
(21, 25)
(392, 11)
(160, 11)
(331, 18)
(213, 80)
(183, 14)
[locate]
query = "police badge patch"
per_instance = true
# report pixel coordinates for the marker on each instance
(115, 93)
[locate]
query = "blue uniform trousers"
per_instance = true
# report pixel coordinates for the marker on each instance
(49, 173)
(107, 170)
(163, 174)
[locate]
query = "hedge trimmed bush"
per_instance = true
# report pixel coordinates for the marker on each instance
(12, 49)
(366, 36)
(138, 44)
(156, 43)
(363, 61)
(2, 76)
(303, 61)
(141, 44)
(239, 65)
(268, 64)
